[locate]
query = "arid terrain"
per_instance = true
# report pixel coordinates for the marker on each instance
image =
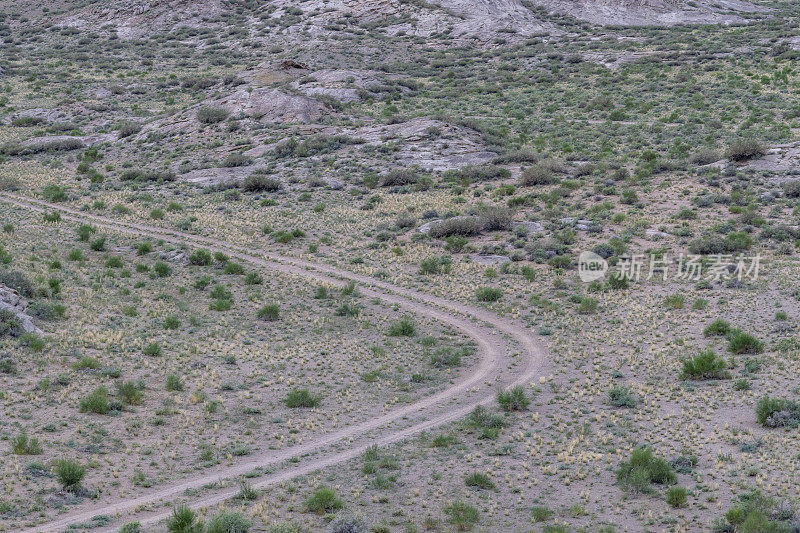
(399, 266)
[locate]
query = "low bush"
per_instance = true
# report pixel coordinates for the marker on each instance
(131, 393)
(201, 257)
(302, 398)
(398, 177)
(756, 513)
(346, 523)
(740, 342)
(228, 522)
(622, 397)
(705, 365)
(488, 294)
(745, 149)
(470, 174)
(323, 500)
(24, 445)
(464, 226)
(777, 412)
(643, 469)
(447, 357)
(236, 160)
(792, 189)
(536, 175)
(70, 474)
(462, 515)
(257, 182)
(435, 265)
(183, 520)
(479, 480)
(496, 218)
(270, 312)
(676, 496)
(487, 423)
(96, 402)
(540, 513)
(513, 399)
(128, 128)
(717, 328)
(9, 324)
(211, 115)
(402, 328)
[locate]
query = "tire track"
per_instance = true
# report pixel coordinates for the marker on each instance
(496, 367)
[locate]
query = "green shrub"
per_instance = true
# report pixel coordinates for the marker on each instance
(738, 241)
(398, 177)
(162, 269)
(464, 226)
(434, 265)
(228, 522)
(488, 424)
(201, 257)
(674, 301)
(18, 281)
(54, 193)
(447, 357)
(402, 328)
(236, 160)
(174, 383)
(323, 500)
(47, 310)
(643, 469)
(96, 402)
(496, 218)
(302, 398)
(536, 175)
(98, 245)
(253, 278)
(24, 445)
(540, 513)
(756, 513)
(513, 399)
(479, 480)
(621, 397)
(70, 474)
(270, 312)
(676, 496)
(152, 350)
(234, 269)
(128, 128)
(211, 115)
(257, 182)
(462, 515)
(617, 281)
(131, 527)
(718, 327)
(588, 306)
(130, 393)
(488, 294)
(777, 412)
(9, 324)
(183, 520)
(745, 149)
(705, 365)
(740, 342)
(85, 363)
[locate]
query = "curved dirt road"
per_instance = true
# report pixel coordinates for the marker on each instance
(509, 355)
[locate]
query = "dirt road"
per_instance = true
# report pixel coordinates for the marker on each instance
(509, 354)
